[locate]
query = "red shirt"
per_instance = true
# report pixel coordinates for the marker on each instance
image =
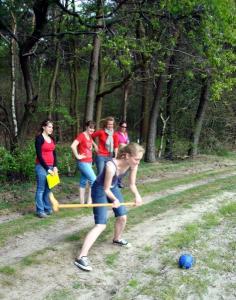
(85, 147)
(47, 153)
(102, 136)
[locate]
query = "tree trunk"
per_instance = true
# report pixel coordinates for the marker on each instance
(40, 8)
(198, 121)
(93, 70)
(31, 102)
(101, 84)
(125, 100)
(150, 155)
(169, 111)
(51, 93)
(13, 79)
(141, 33)
(164, 121)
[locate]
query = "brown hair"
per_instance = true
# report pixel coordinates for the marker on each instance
(90, 124)
(133, 149)
(43, 124)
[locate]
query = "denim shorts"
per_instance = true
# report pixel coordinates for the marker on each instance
(99, 196)
(87, 173)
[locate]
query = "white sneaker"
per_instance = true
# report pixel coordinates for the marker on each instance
(83, 263)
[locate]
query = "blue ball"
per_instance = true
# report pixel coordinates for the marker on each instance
(186, 261)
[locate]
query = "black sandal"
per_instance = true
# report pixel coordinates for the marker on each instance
(120, 242)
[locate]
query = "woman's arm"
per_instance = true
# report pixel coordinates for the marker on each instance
(110, 172)
(133, 187)
(38, 147)
(74, 147)
(95, 146)
(116, 143)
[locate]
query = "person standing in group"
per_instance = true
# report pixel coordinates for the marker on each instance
(123, 139)
(107, 143)
(105, 190)
(46, 163)
(82, 150)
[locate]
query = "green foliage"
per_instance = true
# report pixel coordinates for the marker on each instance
(19, 165)
(66, 161)
(7, 163)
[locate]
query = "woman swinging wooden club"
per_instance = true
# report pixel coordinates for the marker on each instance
(104, 190)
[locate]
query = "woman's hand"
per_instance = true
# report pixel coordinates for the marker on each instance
(138, 200)
(81, 156)
(51, 172)
(116, 203)
(95, 147)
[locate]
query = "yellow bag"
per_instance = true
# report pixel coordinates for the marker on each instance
(53, 180)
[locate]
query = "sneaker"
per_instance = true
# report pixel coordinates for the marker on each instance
(83, 263)
(49, 212)
(42, 215)
(121, 242)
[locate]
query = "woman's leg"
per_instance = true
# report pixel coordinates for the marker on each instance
(91, 238)
(100, 217)
(100, 163)
(120, 214)
(46, 201)
(87, 174)
(41, 184)
(119, 227)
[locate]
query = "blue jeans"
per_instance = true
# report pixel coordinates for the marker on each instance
(42, 202)
(99, 196)
(100, 162)
(87, 173)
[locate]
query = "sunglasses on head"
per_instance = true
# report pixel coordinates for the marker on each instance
(123, 126)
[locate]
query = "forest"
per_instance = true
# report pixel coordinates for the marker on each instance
(167, 67)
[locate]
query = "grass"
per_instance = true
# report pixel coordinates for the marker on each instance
(180, 284)
(7, 270)
(61, 295)
(111, 259)
(179, 240)
(20, 196)
(29, 222)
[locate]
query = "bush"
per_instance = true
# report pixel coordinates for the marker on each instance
(25, 159)
(19, 165)
(8, 163)
(65, 160)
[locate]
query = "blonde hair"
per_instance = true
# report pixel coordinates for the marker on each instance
(132, 148)
(106, 120)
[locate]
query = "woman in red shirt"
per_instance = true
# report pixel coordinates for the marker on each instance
(107, 143)
(45, 164)
(82, 150)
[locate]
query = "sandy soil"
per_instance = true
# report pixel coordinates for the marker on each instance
(56, 277)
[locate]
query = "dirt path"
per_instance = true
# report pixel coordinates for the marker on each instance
(56, 270)
(56, 275)
(23, 245)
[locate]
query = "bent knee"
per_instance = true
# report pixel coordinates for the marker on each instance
(122, 218)
(101, 226)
